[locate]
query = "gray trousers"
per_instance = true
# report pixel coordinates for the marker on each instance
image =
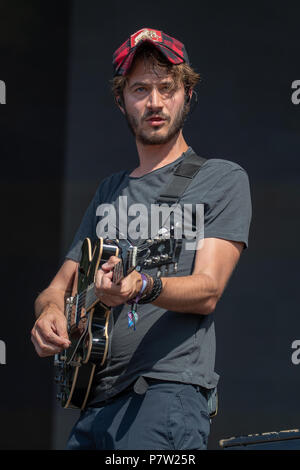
(168, 416)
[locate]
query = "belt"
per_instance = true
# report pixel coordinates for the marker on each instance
(140, 387)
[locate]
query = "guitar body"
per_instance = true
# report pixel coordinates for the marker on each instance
(88, 329)
(88, 320)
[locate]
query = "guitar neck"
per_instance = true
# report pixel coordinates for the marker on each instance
(88, 296)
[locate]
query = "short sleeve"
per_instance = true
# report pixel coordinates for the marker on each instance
(87, 228)
(228, 210)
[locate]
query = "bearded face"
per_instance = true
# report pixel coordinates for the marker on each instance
(154, 107)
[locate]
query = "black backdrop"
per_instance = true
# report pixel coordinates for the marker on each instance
(61, 133)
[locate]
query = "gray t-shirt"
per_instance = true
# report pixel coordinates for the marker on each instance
(167, 345)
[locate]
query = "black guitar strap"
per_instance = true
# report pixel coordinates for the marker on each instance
(181, 179)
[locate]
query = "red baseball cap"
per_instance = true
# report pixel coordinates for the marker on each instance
(170, 47)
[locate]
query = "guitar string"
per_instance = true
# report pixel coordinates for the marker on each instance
(82, 296)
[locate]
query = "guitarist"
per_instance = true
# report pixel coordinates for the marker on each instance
(153, 391)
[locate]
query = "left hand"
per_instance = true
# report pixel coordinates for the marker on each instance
(116, 294)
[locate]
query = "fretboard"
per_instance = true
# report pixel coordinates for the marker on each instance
(88, 298)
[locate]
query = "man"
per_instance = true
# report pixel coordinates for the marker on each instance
(153, 390)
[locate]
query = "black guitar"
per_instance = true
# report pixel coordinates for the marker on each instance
(88, 319)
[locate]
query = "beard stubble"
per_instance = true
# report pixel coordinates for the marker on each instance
(156, 139)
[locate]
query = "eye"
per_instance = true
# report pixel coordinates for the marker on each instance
(167, 88)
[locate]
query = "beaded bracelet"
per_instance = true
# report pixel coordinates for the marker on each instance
(155, 292)
(148, 289)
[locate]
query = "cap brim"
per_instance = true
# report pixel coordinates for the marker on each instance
(168, 54)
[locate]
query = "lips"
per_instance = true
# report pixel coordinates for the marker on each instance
(155, 120)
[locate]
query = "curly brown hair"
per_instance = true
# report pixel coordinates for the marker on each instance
(181, 73)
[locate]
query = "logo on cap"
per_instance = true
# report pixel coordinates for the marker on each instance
(145, 34)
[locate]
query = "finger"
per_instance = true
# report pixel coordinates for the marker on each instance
(43, 348)
(37, 345)
(107, 286)
(99, 291)
(109, 275)
(98, 278)
(107, 267)
(61, 329)
(103, 288)
(49, 336)
(111, 263)
(108, 293)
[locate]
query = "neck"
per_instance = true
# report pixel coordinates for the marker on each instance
(153, 157)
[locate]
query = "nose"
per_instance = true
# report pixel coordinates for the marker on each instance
(154, 99)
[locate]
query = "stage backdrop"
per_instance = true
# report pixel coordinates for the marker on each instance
(34, 40)
(69, 135)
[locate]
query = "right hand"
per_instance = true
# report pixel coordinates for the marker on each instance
(49, 333)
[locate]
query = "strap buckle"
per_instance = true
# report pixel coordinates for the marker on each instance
(165, 199)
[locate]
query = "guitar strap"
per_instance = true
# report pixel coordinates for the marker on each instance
(179, 182)
(181, 179)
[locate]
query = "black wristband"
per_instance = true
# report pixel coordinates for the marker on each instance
(155, 292)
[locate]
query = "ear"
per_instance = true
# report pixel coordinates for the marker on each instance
(189, 95)
(120, 103)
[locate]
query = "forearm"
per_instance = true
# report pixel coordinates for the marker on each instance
(196, 293)
(48, 297)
